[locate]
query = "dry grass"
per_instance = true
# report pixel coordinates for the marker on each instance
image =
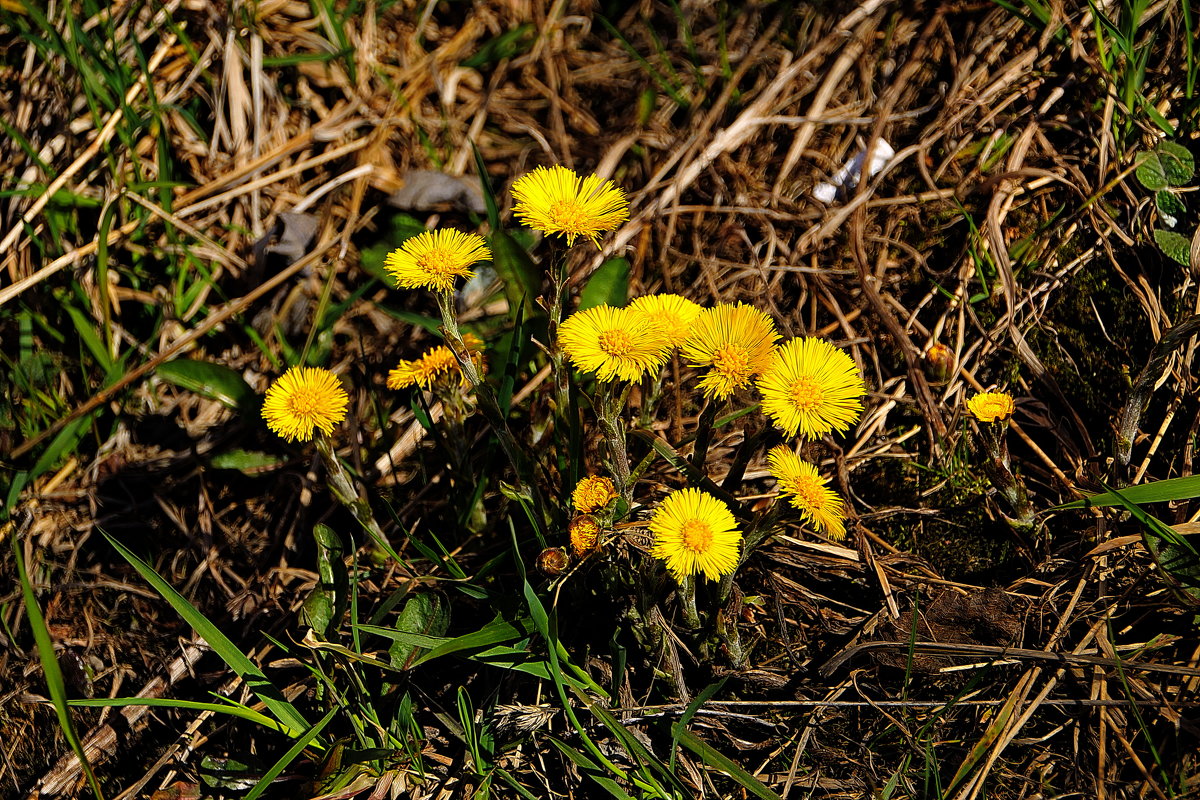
(1006, 227)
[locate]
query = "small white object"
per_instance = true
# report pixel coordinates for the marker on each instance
(846, 178)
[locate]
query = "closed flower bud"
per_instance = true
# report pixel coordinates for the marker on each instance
(553, 561)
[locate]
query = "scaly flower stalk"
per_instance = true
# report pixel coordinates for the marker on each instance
(992, 411)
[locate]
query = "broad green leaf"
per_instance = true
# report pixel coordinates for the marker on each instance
(214, 381)
(395, 230)
(237, 661)
(1155, 492)
(91, 338)
(522, 279)
(249, 462)
(223, 772)
(1178, 165)
(1169, 206)
(1150, 173)
(608, 285)
(495, 632)
(326, 604)
(1175, 245)
(427, 614)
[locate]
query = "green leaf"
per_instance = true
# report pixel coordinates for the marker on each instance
(287, 758)
(424, 614)
(50, 668)
(214, 381)
(249, 462)
(326, 604)
(718, 760)
(1174, 554)
(1178, 165)
(1175, 245)
(608, 285)
(237, 661)
(1150, 173)
(522, 279)
(84, 326)
(241, 712)
(591, 769)
(394, 231)
(222, 772)
(495, 632)
(1170, 207)
(1155, 492)
(62, 444)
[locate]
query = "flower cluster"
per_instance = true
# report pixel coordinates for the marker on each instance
(808, 388)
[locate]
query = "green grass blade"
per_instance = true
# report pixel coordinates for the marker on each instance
(1155, 492)
(54, 678)
(274, 700)
(228, 709)
(590, 769)
(718, 760)
(287, 758)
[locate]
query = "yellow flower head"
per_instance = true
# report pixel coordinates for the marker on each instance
(674, 313)
(808, 491)
(593, 493)
(813, 387)
(991, 406)
(695, 532)
(585, 534)
(434, 259)
(554, 200)
(735, 341)
(613, 343)
(302, 399)
(433, 363)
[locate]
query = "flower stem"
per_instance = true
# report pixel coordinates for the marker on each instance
(994, 438)
(609, 404)
(704, 435)
(488, 404)
(347, 493)
(687, 602)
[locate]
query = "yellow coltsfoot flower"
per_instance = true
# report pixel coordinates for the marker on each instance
(593, 493)
(433, 363)
(554, 200)
(302, 399)
(812, 387)
(585, 535)
(695, 532)
(435, 259)
(673, 313)
(991, 406)
(805, 489)
(613, 343)
(735, 341)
